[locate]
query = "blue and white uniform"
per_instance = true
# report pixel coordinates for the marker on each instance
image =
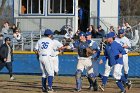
(84, 62)
(112, 51)
(124, 41)
(55, 58)
(45, 50)
(95, 56)
(94, 46)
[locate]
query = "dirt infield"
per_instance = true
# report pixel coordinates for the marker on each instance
(62, 84)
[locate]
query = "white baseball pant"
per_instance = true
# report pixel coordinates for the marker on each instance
(46, 66)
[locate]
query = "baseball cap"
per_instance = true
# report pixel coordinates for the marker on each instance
(82, 34)
(121, 31)
(7, 39)
(110, 35)
(48, 32)
(88, 33)
(69, 29)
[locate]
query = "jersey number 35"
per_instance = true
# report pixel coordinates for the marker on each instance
(44, 45)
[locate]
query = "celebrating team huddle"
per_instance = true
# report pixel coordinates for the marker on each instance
(115, 57)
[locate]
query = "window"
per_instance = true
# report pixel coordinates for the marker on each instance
(61, 7)
(32, 7)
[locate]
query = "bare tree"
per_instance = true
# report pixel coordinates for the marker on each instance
(130, 7)
(2, 6)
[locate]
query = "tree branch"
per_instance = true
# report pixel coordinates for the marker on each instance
(2, 6)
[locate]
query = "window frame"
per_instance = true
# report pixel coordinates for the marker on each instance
(60, 14)
(32, 14)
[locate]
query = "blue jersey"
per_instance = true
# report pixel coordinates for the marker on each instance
(94, 46)
(81, 46)
(112, 52)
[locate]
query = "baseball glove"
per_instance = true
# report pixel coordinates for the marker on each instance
(89, 51)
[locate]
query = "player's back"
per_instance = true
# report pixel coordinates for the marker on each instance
(57, 44)
(45, 46)
(123, 41)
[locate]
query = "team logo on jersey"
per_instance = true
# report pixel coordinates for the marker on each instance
(44, 45)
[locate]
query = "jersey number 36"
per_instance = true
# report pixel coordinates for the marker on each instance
(44, 45)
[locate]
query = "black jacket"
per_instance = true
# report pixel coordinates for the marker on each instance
(4, 52)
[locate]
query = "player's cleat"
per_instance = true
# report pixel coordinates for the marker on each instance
(102, 87)
(12, 78)
(91, 88)
(129, 84)
(44, 90)
(95, 85)
(78, 90)
(123, 91)
(124, 84)
(50, 90)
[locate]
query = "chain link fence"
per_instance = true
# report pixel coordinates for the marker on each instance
(132, 20)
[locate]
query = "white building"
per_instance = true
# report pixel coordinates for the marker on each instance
(37, 15)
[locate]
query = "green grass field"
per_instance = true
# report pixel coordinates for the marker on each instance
(62, 84)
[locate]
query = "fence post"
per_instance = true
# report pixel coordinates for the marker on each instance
(13, 46)
(40, 33)
(22, 43)
(31, 41)
(40, 27)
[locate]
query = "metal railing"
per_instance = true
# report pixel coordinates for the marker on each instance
(29, 39)
(135, 40)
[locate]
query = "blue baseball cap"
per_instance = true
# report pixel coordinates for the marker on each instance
(82, 34)
(88, 33)
(110, 35)
(48, 32)
(121, 31)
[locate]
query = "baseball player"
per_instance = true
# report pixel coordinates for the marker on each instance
(57, 48)
(95, 56)
(125, 43)
(114, 53)
(84, 61)
(45, 49)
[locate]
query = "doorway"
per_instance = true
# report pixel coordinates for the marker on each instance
(85, 8)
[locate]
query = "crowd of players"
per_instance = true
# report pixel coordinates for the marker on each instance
(115, 46)
(115, 57)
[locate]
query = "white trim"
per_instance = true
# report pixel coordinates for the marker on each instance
(31, 11)
(60, 14)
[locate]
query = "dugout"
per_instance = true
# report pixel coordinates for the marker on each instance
(37, 15)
